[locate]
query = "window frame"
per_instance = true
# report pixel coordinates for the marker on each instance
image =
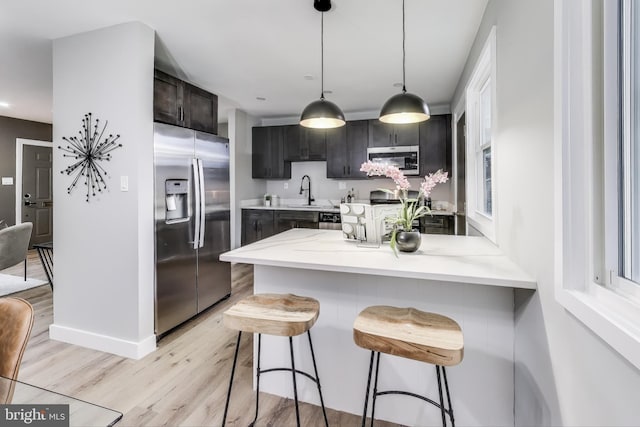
(586, 133)
(483, 75)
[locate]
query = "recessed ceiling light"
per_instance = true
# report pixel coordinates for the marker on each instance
(308, 77)
(261, 98)
(397, 84)
(4, 104)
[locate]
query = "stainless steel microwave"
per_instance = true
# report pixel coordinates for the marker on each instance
(404, 157)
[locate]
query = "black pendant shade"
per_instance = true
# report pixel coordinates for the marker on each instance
(322, 114)
(404, 107)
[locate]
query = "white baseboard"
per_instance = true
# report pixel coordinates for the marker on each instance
(117, 346)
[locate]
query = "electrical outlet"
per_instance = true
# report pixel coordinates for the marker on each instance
(286, 185)
(342, 185)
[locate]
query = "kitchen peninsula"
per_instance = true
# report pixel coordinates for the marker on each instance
(465, 278)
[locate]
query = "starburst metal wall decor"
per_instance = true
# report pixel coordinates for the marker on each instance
(89, 151)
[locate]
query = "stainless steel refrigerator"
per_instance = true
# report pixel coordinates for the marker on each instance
(191, 223)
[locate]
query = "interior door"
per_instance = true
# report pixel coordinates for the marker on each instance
(37, 197)
(214, 276)
(461, 196)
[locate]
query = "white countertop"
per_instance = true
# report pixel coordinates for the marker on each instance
(322, 208)
(444, 258)
(312, 208)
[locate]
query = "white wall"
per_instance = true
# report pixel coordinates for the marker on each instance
(243, 187)
(104, 261)
(325, 188)
(564, 374)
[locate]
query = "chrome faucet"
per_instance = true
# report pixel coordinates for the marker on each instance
(308, 189)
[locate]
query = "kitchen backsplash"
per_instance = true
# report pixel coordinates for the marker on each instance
(324, 188)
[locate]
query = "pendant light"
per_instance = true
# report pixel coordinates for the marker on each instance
(404, 107)
(322, 114)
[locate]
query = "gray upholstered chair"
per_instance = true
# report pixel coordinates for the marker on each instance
(14, 243)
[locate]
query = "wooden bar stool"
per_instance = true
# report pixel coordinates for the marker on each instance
(274, 314)
(413, 334)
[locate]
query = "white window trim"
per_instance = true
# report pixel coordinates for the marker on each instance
(579, 217)
(485, 68)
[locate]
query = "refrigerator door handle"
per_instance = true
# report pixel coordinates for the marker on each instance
(202, 204)
(198, 205)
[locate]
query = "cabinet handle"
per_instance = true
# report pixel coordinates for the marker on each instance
(180, 113)
(344, 170)
(396, 137)
(390, 135)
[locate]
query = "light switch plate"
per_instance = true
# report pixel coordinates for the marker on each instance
(7, 180)
(342, 185)
(124, 183)
(286, 185)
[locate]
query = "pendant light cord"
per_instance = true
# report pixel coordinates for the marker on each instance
(404, 88)
(322, 55)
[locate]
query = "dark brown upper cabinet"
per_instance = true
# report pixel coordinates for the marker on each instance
(435, 144)
(387, 135)
(267, 160)
(179, 103)
(304, 144)
(347, 150)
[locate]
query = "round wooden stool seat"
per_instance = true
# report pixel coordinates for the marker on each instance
(273, 314)
(410, 333)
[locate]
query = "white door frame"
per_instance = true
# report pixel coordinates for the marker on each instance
(20, 143)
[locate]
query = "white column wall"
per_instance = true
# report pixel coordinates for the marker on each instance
(243, 187)
(103, 250)
(564, 374)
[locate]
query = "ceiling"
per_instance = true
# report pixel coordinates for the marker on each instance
(248, 49)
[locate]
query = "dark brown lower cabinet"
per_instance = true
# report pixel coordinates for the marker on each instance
(437, 224)
(286, 220)
(257, 224)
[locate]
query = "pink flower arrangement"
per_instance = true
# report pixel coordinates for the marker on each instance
(411, 209)
(402, 183)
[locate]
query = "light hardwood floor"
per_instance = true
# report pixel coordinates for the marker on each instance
(183, 383)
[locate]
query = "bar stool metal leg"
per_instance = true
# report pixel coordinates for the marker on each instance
(295, 387)
(255, 418)
(366, 394)
(315, 369)
(375, 390)
(233, 370)
(442, 410)
(446, 387)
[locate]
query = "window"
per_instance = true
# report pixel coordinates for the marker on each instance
(598, 159)
(622, 172)
(629, 164)
(480, 99)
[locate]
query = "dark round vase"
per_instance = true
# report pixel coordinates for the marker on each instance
(408, 241)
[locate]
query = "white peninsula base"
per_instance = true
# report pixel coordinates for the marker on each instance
(482, 386)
